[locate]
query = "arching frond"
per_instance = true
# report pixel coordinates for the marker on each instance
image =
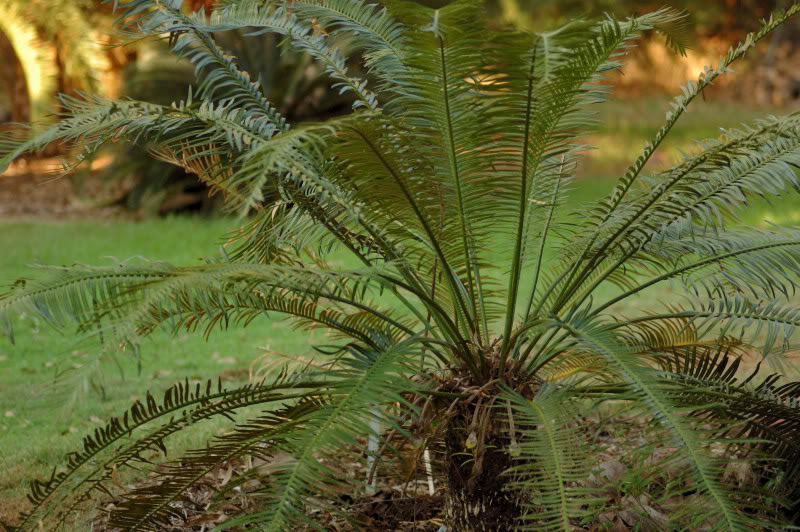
(607, 236)
(690, 92)
(91, 470)
(723, 511)
(367, 378)
(125, 301)
(208, 128)
(554, 462)
(748, 318)
(761, 263)
(217, 70)
(193, 38)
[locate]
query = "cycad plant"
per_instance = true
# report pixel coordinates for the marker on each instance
(473, 322)
(291, 81)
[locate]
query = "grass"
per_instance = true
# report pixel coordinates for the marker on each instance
(40, 421)
(47, 404)
(625, 125)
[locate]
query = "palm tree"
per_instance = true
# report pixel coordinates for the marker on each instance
(472, 321)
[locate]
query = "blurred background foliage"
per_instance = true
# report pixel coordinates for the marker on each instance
(65, 46)
(709, 18)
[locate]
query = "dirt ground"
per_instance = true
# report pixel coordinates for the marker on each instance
(33, 189)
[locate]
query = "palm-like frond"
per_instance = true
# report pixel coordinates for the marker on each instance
(754, 262)
(189, 405)
(612, 222)
(744, 316)
(706, 470)
(128, 300)
(94, 121)
(554, 462)
(145, 18)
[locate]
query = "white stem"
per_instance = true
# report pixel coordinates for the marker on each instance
(426, 457)
(372, 449)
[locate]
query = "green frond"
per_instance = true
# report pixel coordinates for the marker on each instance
(439, 98)
(691, 91)
(260, 167)
(755, 417)
(217, 70)
(369, 379)
(639, 218)
(723, 512)
(741, 170)
(676, 33)
(125, 302)
(381, 35)
(553, 461)
(203, 129)
(376, 154)
(607, 209)
(756, 424)
(259, 18)
(105, 452)
(715, 196)
(677, 348)
(775, 320)
(759, 263)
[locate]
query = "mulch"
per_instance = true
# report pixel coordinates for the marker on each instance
(405, 505)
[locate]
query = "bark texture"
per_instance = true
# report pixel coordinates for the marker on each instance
(477, 499)
(13, 76)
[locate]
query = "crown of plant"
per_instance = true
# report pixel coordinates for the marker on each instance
(472, 317)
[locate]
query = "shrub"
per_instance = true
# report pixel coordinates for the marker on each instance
(473, 321)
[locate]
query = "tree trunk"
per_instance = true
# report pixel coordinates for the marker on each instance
(13, 75)
(477, 498)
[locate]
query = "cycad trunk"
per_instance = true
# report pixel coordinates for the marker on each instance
(478, 498)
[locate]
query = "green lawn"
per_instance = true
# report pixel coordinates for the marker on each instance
(625, 125)
(43, 417)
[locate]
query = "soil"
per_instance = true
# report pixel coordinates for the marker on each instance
(405, 504)
(32, 189)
